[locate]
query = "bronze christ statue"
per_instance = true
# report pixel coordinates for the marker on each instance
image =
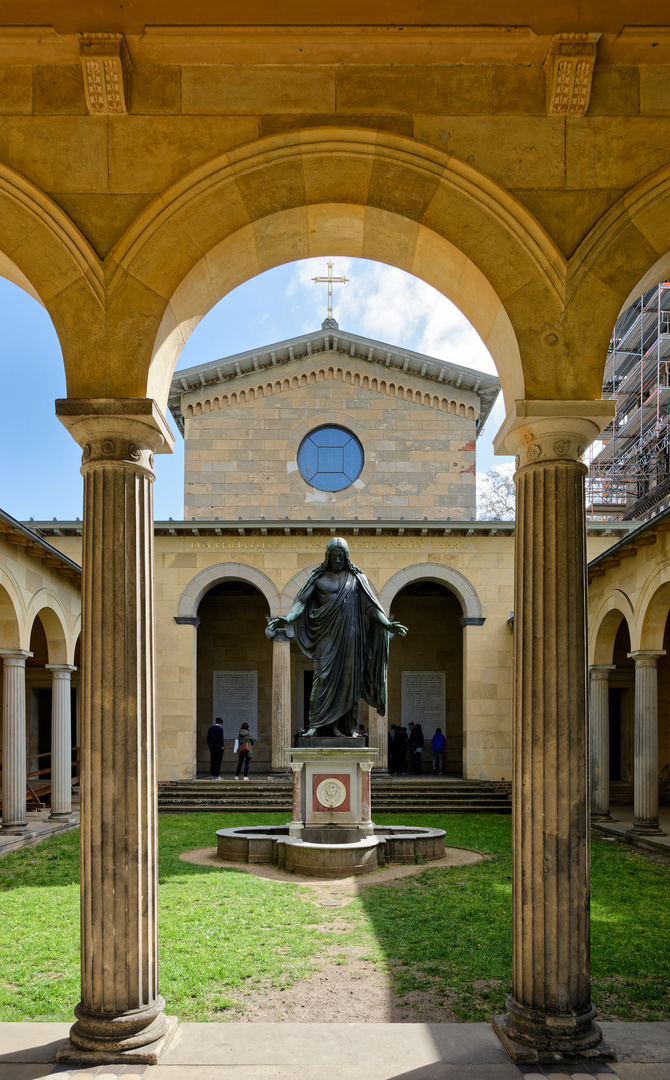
(341, 626)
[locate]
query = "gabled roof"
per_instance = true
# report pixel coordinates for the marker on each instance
(486, 387)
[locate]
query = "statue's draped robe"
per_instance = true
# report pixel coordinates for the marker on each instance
(349, 649)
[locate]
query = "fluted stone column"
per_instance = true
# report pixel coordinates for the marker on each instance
(378, 739)
(645, 797)
(366, 792)
(550, 1016)
(281, 700)
(14, 741)
(61, 742)
(296, 826)
(599, 725)
(120, 1016)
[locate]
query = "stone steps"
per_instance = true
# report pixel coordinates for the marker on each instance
(388, 796)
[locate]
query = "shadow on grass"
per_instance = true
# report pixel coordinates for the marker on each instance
(447, 931)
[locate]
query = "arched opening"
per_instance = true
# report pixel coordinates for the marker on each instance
(655, 636)
(234, 671)
(49, 647)
(629, 464)
(621, 714)
(426, 674)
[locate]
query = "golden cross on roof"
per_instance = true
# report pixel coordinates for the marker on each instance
(330, 280)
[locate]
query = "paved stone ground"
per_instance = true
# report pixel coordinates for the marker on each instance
(622, 819)
(335, 1052)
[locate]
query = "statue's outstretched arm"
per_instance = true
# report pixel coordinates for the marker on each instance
(299, 606)
(389, 624)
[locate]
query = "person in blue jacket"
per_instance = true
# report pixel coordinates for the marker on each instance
(438, 744)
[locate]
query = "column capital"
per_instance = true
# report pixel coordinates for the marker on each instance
(646, 657)
(552, 430)
(60, 671)
(296, 766)
(15, 657)
(601, 671)
(287, 633)
(366, 766)
(129, 430)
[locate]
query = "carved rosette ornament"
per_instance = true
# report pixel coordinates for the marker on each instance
(119, 451)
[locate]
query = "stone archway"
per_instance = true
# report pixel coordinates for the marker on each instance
(451, 637)
(453, 579)
(212, 575)
(611, 699)
(190, 602)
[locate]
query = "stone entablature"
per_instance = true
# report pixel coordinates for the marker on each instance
(462, 390)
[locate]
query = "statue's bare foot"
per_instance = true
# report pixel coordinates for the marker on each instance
(338, 733)
(311, 732)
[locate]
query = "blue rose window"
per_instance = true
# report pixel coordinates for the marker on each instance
(330, 458)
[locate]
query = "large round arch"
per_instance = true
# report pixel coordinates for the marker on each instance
(213, 575)
(11, 636)
(446, 575)
(652, 609)
(607, 619)
(14, 625)
(355, 192)
(58, 625)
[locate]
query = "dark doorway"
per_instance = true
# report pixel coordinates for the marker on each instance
(43, 729)
(615, 732)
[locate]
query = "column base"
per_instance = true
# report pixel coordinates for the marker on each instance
(63, 816)
(533, 1037)
(600, 816)
(150, 1054)
(139, 1036)
(646, 828)
(14, 828)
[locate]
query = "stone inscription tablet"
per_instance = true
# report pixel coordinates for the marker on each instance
(424, 699)
(235, 699)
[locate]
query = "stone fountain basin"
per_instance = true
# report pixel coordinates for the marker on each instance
(272, 844)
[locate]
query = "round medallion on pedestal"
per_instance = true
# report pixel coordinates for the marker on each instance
(331, 792)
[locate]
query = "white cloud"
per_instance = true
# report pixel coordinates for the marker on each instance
(387, 304)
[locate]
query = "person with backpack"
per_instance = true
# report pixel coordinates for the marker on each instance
(244, 751)
(437, 745)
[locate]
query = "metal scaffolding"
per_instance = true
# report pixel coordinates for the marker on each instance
(629, 467)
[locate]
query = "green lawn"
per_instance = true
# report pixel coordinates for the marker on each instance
(447, 931)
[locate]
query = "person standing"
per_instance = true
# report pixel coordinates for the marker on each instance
(400, 747)
(245, 751)
(391, 749)
(416, 746)
(437, 745)
(215, 744)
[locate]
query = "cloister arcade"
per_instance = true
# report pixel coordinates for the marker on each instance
(40, 629)
(629, 673)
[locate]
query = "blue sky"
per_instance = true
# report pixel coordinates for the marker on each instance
(41, 478)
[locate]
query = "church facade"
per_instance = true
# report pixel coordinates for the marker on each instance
(395, 477)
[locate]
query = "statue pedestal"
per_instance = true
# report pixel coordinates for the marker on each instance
(331, 791)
